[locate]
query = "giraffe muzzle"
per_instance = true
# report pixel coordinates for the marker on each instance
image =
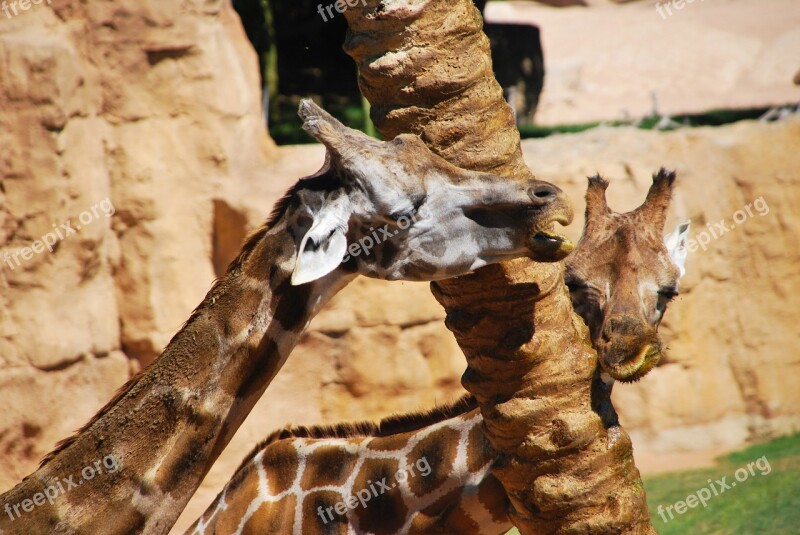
(634, 367)
(550, 247)
(549, 206)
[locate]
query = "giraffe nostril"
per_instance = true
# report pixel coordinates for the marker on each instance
(543, 194)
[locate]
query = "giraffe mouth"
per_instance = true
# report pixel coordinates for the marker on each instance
(547, 246)
(637, 367)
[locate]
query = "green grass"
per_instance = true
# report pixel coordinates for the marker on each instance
(711, 118)
(767, 504)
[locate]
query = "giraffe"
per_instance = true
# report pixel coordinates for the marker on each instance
(167, 425)
(366, 477)
(620, 293)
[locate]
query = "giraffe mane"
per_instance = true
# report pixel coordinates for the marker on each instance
(280, 207)
(391, 425)
(65, 443)
(321, 180)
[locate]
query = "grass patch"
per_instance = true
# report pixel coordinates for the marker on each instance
(711, 118)
(766, 504)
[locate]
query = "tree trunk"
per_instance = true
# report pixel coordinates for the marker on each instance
(425, 67)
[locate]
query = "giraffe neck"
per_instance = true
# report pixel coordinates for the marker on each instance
(367, 478)
(166, 427)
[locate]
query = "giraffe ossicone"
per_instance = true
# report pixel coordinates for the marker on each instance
(168, 424)
(293, 481)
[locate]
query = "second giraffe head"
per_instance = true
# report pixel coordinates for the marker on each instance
(623, 274)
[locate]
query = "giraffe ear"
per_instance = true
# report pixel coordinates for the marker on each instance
(676, 245)
(324, 245)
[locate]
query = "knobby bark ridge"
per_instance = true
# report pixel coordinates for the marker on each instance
(425, 67)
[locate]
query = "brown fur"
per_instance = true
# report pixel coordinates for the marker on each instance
(321, 180)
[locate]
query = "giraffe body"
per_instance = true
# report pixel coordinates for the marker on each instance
(363, 478)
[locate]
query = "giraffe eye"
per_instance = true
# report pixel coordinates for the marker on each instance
(668, 293)
(404, 216)
(574, 285)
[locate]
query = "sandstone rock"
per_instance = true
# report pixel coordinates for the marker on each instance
(39, 408)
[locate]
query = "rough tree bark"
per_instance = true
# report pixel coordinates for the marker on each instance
(425, 68)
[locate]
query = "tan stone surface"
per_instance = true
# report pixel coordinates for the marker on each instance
(118, 129)
(46, 407)
(607, 61)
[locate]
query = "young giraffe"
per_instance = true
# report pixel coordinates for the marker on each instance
(431, 472)
(166, 426)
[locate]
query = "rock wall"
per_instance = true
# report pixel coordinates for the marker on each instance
(140, 123)
(120, 125)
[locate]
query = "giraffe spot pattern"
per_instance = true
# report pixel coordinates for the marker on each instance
(285, 463)
(333, 466)
(431, 462)
(287, 468)
(383, 512)
(271, 518)
(322, 519)
(479, 451)
(432, 513)
(291, 310)
(259, 369)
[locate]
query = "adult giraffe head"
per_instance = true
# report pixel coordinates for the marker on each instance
(624, 273)
(394, 210)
